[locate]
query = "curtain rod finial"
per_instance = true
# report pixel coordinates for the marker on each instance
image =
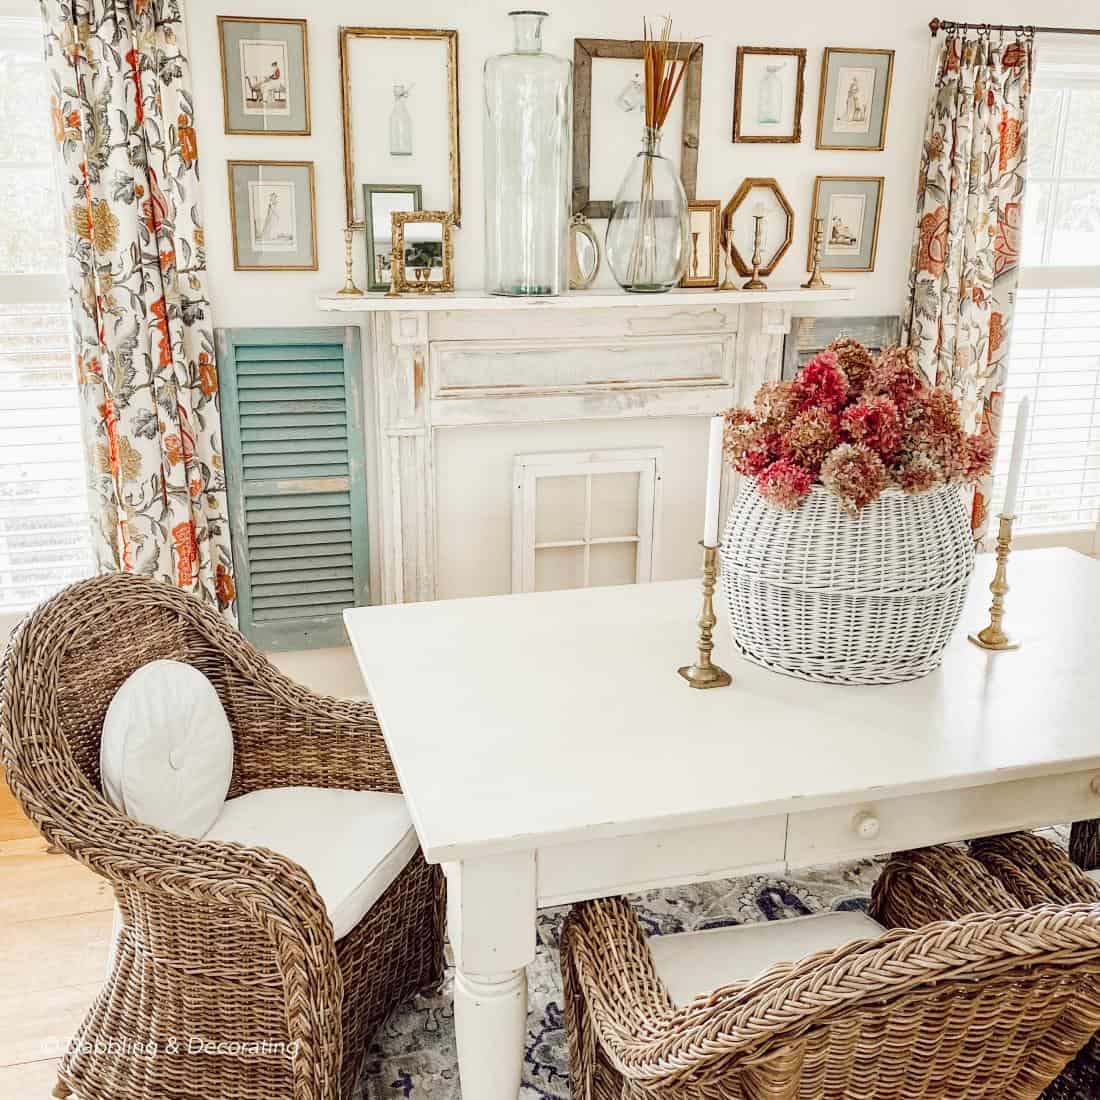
(934, 26)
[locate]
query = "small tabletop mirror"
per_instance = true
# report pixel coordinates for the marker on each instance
(381, 201)
(584, 253)
(422, 251)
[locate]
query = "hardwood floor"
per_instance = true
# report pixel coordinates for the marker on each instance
(55, 918)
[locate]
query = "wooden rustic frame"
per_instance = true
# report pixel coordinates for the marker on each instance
(800, 90)
(714, 207)
(818, 181)
(308, 165)
(585, 51)
(401, 218)
(745, 269)
(302, 24)
(451, 38)
(825, 61)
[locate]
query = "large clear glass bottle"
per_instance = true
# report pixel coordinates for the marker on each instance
(528, 114)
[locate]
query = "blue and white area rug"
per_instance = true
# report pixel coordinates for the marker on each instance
(413, 1056)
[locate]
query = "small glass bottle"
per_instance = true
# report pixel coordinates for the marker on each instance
(528, 115)
(401, 123)
(769, 98)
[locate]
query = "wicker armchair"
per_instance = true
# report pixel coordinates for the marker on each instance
(219, 942)
(988, 1007)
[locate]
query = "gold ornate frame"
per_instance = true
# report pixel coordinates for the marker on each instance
(829, 51)
(799, 93)
(745, 269)
(399, 219)
(230, 165)
(714, 208)
(451, 38)
(818, 181)
(301, 24)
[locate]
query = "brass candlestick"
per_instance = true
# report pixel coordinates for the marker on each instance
(727, 257)
(350, 289)
(704, 674)
(756, 283)
(993, 636)
(815, 281)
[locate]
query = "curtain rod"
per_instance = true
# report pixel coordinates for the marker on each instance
(936, 25)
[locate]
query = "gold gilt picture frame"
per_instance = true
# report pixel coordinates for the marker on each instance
(740, 244)
(704, 260)
(422, 245)
(379, 112)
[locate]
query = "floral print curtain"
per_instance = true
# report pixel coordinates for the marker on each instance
(148, 383)
(966, 243)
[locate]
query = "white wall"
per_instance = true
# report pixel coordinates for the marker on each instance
(287, 298)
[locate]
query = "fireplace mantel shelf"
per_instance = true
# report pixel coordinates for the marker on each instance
(583, 299)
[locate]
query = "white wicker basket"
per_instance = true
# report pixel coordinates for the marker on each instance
(873, 599)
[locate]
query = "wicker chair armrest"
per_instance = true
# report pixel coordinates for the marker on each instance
(684, 1046)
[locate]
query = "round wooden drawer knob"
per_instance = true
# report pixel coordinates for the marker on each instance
(866, 825)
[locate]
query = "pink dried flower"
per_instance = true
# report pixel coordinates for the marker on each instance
(855, 474)
(894, 375)
(761, 452)
(821, 383)
(918, 474)
(775, 405)
(784, 483)
(876, 423)
(978, 451)
(740, 431)
(814, 433)
(854, 360)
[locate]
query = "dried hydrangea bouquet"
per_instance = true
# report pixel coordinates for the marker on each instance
(848, 552)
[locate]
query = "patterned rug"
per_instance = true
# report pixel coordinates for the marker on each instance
(413, 1054)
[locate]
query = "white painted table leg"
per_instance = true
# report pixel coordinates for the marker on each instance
(490, 1029)
(491, 924)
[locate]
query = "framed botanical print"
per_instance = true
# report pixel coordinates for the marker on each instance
(271, 214)
(265, 75)
(767, 94)
(849, 208)
(609, 118)
(854, 101)
(380, 202)
(703, 259)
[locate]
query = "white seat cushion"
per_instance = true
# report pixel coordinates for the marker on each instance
(353, 844)
(695, 963)
(166, 751)
(1094, 875)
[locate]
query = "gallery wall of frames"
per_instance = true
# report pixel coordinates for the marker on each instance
(319, 122)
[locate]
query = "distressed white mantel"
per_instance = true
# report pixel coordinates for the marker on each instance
(466, 359)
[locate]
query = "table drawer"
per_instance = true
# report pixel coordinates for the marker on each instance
(616, 865)
(914, 821)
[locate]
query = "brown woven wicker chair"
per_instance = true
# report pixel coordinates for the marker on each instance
(986, 1008)
(219, 941)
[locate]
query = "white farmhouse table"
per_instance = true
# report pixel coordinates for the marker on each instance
(549, 753)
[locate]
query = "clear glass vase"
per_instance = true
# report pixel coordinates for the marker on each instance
(528, 114)
(647, 244)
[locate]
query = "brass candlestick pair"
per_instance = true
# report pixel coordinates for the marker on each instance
(993, 636)
(704, 673)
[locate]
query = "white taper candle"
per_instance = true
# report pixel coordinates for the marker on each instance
(1017, 461)
(714, 481)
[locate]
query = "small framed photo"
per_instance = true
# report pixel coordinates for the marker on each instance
(758, 197)
(423, 255)
(265, 75)
(380, 202)
(703, 259)
(767, 94)
(271, 213)
(849, 207)
(855, 99)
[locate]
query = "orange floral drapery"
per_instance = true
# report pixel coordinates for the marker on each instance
(966, 241)
(143, 337)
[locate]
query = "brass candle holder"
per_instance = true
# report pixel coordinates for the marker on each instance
(350, 289)
(704, 673)
(756, 283)
(815, 281)
(993, 636)
(727, 257)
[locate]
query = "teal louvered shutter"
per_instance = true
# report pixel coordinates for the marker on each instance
(292, 421)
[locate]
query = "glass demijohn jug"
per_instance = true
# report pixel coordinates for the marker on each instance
(528, 113)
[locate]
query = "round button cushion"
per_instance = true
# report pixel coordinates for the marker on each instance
(166, 753)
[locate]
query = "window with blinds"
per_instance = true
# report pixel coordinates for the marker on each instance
(44, 536)
(1055, 351)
